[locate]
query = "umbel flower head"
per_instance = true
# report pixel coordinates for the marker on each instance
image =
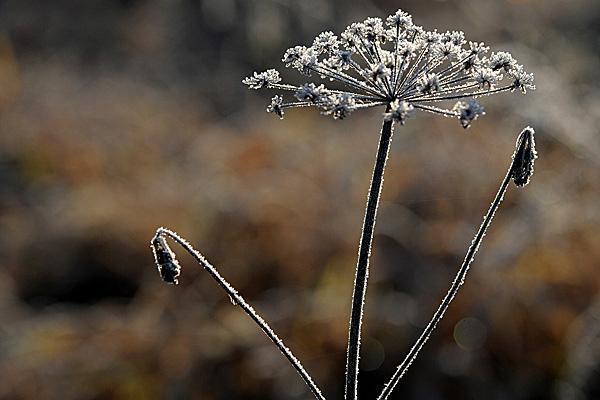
(395, 64)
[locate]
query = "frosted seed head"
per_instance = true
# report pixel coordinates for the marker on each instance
(262, 79)
(406, 49)
(340, 61)
(352, 34)
(165, 260)
(276, 106)
(521, 79)
(310, 92)
(387, 58)
(292, 56)
(502, 60)
(524, 157)
(428, 83)
(445, 49)
(307, 61)
(338, 105)
(379, 72)
(414, 31)
(422, 68)
(486, 77)
(399, 111)
(431, 37)
(457, 38)
(471, 61)
(468, 112)
(326, 42)
(399, 19)
(478, 49)
(373, 29)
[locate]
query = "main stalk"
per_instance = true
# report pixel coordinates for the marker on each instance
(362, 265)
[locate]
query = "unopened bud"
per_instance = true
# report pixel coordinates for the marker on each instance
(524, 157)
(165, 260)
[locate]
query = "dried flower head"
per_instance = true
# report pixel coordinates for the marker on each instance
(377, 63)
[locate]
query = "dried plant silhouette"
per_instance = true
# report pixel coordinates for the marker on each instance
(403, 68)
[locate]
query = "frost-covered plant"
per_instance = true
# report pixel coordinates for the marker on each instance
(403, 68)
(398, 65)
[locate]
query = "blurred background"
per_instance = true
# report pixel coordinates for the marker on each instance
(117, 117)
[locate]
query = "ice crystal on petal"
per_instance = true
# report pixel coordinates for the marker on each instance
(396, 64)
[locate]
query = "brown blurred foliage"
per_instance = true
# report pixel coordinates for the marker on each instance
(120, 116)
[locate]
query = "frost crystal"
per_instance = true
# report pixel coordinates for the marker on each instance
(396, 64)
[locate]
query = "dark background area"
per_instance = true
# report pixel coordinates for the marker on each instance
(117, 117)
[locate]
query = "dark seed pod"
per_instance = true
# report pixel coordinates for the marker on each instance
(165, 260)
(524, 157)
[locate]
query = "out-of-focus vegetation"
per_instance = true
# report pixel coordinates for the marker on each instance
(120, 116)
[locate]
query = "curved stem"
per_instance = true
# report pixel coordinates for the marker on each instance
(362, 266)
(454, 287)
(164, 255)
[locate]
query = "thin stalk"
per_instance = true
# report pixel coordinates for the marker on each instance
(164, 256)
(524, 145)
(362, 265)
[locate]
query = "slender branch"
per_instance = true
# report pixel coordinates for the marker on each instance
(520, 170)
(169, 269)
(485, 92)
(362, 266)
(436, 110)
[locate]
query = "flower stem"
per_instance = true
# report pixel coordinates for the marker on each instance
(362, 265)
(235, 297)
(455, 286)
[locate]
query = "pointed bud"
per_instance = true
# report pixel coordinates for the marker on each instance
(524, 157)
(165, 260)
